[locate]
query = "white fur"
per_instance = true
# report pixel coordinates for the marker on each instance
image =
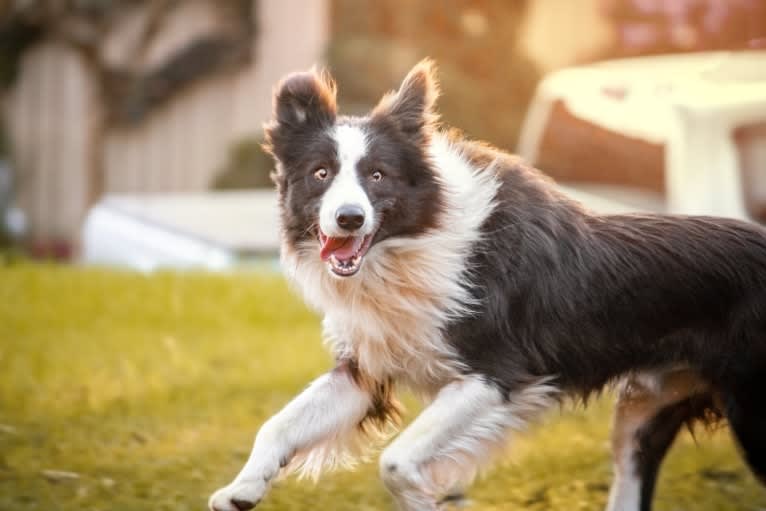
(625, 494)
(444, 447)
(345, 188)
(300, 113)
(635, 393)
(389, 317)
(319, 428)
(641, 396)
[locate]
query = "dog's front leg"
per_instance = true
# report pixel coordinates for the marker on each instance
(313, 430)
(442, 449)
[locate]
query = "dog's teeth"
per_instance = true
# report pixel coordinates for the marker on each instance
(345, 267)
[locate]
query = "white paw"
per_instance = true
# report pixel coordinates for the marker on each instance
(239, 495)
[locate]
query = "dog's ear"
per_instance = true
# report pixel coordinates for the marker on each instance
(412, 106)
(302, 101)
(305, 99)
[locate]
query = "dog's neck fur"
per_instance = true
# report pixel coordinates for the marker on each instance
(389, 318)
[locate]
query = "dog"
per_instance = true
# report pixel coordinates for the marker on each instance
(451, 268)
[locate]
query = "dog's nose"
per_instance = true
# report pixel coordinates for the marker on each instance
(349, 217)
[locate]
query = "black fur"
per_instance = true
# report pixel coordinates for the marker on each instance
(745, 408)
(301, 143)
(588, 298)
(409, 198)
(656, 436)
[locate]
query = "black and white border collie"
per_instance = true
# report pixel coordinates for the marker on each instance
(451, 268)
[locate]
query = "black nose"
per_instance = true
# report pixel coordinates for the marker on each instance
(350, 217)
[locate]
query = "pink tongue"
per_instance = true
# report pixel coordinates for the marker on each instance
(342, 248)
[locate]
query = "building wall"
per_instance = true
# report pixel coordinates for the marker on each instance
(48, 114)
(182, 145)
(178, 146)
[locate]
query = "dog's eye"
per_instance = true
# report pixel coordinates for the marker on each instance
(320, 174)
(376, 175)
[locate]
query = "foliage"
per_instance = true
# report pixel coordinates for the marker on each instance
(247, 166)
(487, 80)
(15, 38)
(23, 24)
(129, 91)
(149, 388)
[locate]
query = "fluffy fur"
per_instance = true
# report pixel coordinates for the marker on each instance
(482, 288)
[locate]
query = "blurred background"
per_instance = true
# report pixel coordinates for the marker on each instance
(123, 120)
(130, 139)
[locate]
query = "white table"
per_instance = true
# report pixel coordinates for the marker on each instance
(215, 230)
(690, 103)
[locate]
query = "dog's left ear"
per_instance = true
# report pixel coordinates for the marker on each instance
(412, 106)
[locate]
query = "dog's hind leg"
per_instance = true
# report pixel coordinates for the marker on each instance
(745, 408)
(442, 449)
(650, 410)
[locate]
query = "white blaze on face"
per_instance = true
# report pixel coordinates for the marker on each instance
(345, 189)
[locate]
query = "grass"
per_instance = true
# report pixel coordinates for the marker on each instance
(150, 389)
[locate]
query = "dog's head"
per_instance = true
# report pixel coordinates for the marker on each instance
(347, 184)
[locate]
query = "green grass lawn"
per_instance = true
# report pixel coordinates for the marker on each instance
(150, 389)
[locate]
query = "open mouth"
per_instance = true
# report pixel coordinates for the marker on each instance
(344, 255)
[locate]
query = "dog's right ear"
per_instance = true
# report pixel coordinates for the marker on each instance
(305, 99)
